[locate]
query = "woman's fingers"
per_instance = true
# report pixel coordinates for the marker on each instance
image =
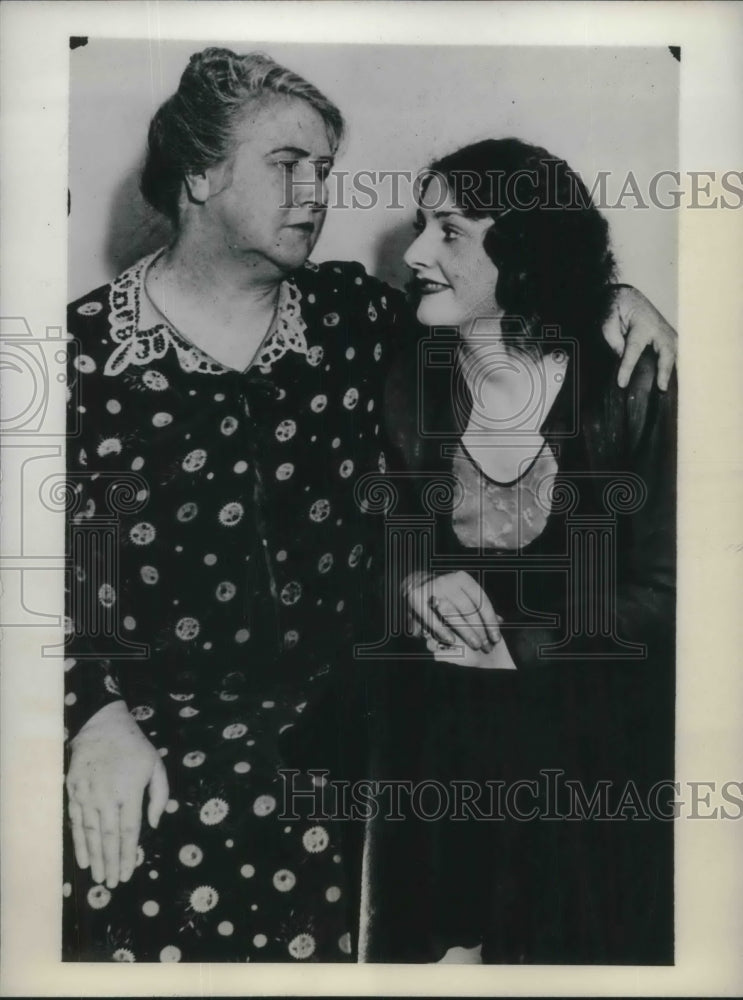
(485, 609)
(439, 630)
(460, 614)
(613, 332)
(645, 326)
(666, 361)
(111, 765)
(433, 623)
(419, 597)
(92, 828)
(158, 792)
(75, 812)
(478, 626)
(130, 822)
(110, 844)
(454, 608)
(634, 348)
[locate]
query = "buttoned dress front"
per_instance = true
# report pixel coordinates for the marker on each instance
(221, 564)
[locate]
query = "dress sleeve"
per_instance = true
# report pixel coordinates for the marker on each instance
(644, 420)
(91, 679)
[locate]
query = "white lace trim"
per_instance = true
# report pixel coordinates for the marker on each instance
(136, 346)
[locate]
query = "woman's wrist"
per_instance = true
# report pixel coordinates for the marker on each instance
(112, 712)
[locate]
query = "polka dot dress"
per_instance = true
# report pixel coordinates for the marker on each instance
(220, 567)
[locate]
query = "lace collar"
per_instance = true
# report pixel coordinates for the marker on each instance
(136, 345)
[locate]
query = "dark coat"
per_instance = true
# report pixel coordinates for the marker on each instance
(591, 708)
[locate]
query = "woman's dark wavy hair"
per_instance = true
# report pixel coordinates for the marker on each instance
(195, 128)
(549, 241)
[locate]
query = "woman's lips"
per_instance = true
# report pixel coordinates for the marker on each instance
(302, 227)
(427, 287)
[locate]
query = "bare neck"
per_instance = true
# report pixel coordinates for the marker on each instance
(512, 390)
(222, 306)
(494, 367)
(210, 274)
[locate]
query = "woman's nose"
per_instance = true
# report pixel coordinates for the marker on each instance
(417, 253)
(309, 186)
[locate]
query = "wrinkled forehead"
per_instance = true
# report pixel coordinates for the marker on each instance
(272, 121)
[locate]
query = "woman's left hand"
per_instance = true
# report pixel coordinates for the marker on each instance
(452, 608)
(634, 324)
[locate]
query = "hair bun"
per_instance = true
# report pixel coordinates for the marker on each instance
(208, 57)
(210, 66)
(218, 68)
(194, 128)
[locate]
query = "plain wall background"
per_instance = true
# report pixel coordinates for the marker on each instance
(602, 108)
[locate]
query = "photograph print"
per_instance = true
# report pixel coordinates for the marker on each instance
(371, 492)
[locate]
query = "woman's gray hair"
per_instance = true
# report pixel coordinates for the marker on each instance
(195, 128)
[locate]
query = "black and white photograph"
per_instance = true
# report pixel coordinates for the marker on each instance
(365, 481)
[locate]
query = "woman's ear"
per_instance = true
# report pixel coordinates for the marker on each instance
(197, 187)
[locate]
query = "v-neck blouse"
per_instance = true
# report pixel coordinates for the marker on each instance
(492, 515)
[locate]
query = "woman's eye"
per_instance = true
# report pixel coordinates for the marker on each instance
(450, 234)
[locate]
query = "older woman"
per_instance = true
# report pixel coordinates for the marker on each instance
(224, 399)
(548, 603)
(234, 392)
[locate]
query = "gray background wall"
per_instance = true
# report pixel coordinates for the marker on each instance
(610, 109)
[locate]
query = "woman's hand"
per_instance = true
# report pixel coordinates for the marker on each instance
(453, 608)
(112, 764)
(634, 324)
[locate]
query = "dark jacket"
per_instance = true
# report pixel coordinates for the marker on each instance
(593, 703)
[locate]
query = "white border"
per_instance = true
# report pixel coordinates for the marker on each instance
(33, 147)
